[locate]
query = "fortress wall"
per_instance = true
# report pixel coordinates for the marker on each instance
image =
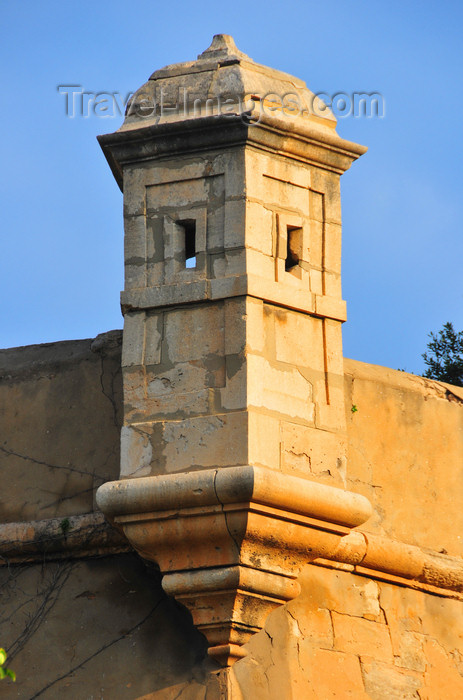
(102, 626)
(349, 636)
(61, 406)
(405, 453)
(61, 413)
(109, 632)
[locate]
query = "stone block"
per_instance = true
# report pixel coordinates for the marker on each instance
(183, 378)
(236, 325)
(155, 252)
(286, 171)
(327, 183)
(165, 295)
(134, 238)
(408, 649)
(215, 242)
(134, 276)
(228, 287)
(141, 339)
(336, 674)
(298, 338)
(234, 395)
(259, 264)
(333, 239)
(229, 263)
(136, 451)
(332, 284)
(133, 339)
(232, 164)
(173, 407)
(256, 339)
(281, 389)
(330, 417)
(172, 170)
(201, 442)
(292, 292)
(386, 681)
(438, 611)
(134, 197)
(317, 212)
(264, 440)
(315, 625)
(330, 307)
(333, 349)
(135, 252)
(316, 281)
(154, 399)
(259, 228)
(152, 338)
(235, 222)
(356, 635)
(442, 679)
(316, 244)
(134, 392)
(281, 194)
(312, 453)
(176, 193)
(353, 596)
(194, 333)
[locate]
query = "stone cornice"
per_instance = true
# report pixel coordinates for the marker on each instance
(240, 285)
(72, 537)
(360, 552)
(299, 139)
(183, 493)
(232, 485)
(231, 542)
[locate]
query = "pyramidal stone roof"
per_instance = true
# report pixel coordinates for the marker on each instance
(223, 80)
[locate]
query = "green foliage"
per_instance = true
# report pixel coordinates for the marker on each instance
(65, 526)
(444, 359)
(354, 408)
(4, 671)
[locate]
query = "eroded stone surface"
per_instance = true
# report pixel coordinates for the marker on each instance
(61, 415)
(405, 454)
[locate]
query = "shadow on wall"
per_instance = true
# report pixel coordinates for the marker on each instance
(96, 628)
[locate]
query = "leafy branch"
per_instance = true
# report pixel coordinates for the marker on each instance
(444, 359)
(4, 671)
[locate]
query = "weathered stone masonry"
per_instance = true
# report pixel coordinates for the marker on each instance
(233, 364)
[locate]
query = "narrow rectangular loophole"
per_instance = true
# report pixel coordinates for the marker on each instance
(189, 228)
(293, 246)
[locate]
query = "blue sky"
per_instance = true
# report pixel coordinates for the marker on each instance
(61, 263)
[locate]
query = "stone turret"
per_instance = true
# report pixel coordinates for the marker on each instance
(233, 445)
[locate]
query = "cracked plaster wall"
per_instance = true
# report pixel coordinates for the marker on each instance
(60, 421)
(405, 454)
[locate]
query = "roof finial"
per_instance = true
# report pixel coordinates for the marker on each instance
(222, 45)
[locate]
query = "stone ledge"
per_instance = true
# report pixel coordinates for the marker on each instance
(73, 537)
(233, 485)
(163, 296)
(305, 141)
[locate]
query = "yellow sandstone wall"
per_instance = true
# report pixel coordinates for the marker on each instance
(405, 453)
(60, 421)
(347, 636)
(102, 627)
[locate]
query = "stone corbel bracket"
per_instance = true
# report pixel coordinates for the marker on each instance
(231, 542)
